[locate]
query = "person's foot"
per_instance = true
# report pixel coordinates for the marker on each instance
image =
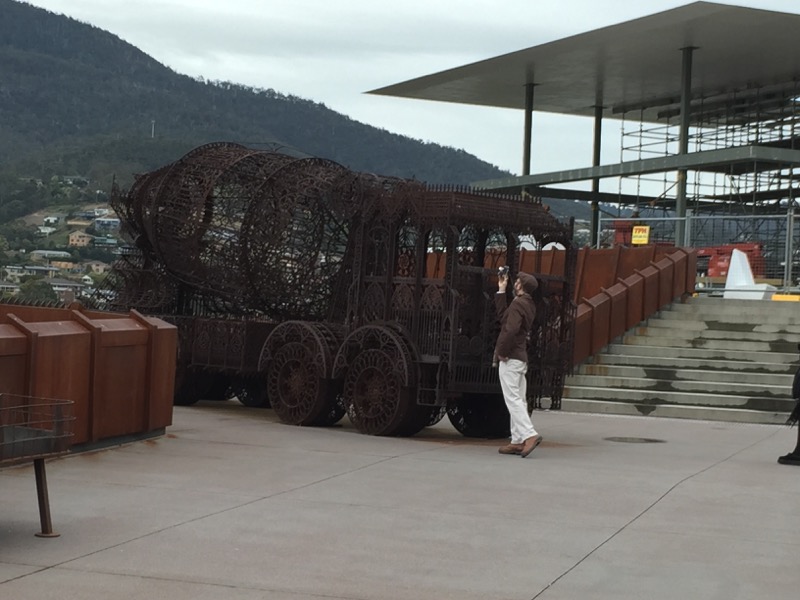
(510, 449)
(793, 458)
(530, 444)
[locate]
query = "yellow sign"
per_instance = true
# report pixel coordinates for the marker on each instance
(640, 234)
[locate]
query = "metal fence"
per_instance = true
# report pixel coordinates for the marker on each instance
(771, 243)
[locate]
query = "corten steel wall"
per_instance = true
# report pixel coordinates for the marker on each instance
(616, 288)
(118, 369)
(627, 285)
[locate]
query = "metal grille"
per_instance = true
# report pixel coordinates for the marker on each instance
(34, 427)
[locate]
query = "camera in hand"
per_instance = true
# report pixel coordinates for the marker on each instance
(502, 272)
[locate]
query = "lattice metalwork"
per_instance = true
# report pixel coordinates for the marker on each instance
(388, 280)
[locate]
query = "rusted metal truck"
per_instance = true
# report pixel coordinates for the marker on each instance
(321, 291)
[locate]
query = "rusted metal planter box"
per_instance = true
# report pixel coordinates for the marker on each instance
(117, 369)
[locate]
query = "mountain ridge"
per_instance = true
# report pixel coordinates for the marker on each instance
(67, 81)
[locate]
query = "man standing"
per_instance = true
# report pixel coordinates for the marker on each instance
(793, 458)
(511, 352)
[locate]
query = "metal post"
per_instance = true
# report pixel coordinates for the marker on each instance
(599, 225)
(598, 129)
(688, 234)
(683, 143)
(526, 149)
(44, 500)
(789, 250)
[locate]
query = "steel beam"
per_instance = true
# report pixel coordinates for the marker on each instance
(698, 161)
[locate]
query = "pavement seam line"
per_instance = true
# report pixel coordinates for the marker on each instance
(647, 509)
(199, 518)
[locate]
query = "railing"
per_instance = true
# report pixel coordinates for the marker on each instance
(619, 287)
(771, 243)
(35, 429)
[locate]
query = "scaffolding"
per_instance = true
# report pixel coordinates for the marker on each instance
(762, 116)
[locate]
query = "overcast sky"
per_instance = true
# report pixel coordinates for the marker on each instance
(332, 51)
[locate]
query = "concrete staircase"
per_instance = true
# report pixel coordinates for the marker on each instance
(709, 358)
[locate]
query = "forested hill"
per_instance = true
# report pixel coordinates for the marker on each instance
(75, 99)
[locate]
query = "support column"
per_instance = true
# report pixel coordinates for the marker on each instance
(683, 143)
(598, 128)
(526, 148)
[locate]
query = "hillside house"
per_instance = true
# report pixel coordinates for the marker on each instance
(105, 242)
(80, 239)
(98, 267)
(8, 288)
(44, 230)
(42, 255)
(66, 289)
(106, 224)
(16, 272)
(66, 265)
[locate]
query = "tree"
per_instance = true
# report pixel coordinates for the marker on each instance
(37, 290)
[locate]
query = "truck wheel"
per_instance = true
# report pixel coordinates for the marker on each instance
(376, 400)
(335, 408)
(250, 391)
(480, 415)
(424, 416)
(194, 385)
(297, 393)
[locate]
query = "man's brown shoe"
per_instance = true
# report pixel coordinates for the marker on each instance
(510, 449)
(530, 444)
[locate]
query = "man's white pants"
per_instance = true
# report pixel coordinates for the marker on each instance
(514, 385)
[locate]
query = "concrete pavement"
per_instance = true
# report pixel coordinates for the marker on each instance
(233, 504)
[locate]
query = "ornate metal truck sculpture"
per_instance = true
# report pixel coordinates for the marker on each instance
(328, 291)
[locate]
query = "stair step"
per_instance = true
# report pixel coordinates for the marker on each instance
(670, 373)
(668, 352)
(791, 339)
(706, 365)
(673, 411)
(689, 386)
(710, 344)
(636, 396)
(709, 358)
(729, 315)
(716, 325)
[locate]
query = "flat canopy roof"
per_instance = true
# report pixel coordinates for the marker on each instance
(630, 66)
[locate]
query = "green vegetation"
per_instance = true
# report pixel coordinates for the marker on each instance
(76, 100)
(36, 290)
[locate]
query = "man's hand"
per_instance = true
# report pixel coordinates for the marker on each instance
(502, 283)
(502, 358)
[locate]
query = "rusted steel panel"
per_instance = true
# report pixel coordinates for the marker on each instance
(634, 283)
(548, 262)
(601, 321)
(35, 313)
(120, 391)
(651, 296)
(691, 269)
(583, 334)
(678, 261)
(666, 279)
(599, 271)
(59, 358)
(161, 369)
(13, 360)
(579, 270)
(134, 374)
(633, 258)
(618, 295)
